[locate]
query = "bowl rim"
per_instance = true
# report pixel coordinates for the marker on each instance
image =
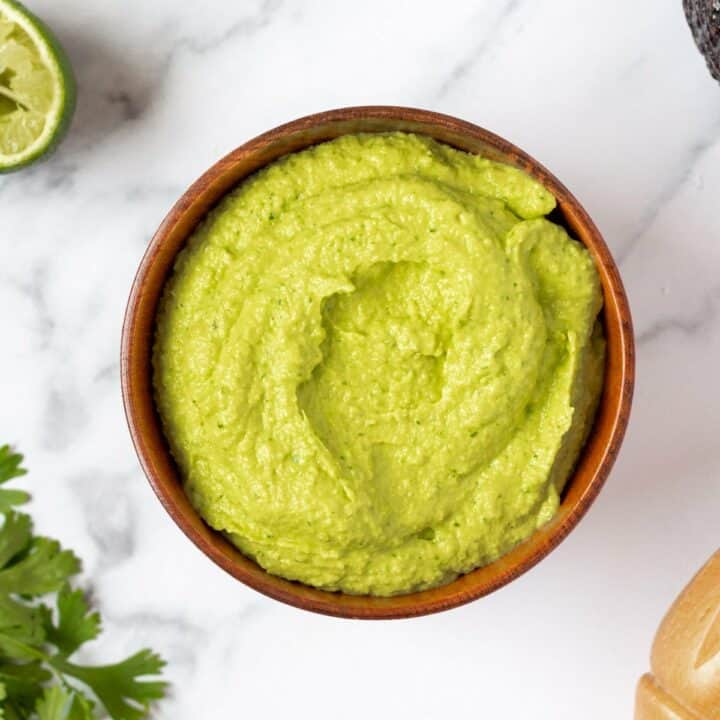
(143, 422)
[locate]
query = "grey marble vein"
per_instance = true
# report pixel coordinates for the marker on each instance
(65, 416)
(56, 174)
(108, 373)
(690, 326)
(109, 515)
(465, 66)
(179, 637)
(33, 288)
(151, 193)
(244, 27)
(60, 175)
(672, 186)
(182, 640)
(112, 93)
(130, 107)
(633, 67)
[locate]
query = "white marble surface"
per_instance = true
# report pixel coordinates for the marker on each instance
(611, 95)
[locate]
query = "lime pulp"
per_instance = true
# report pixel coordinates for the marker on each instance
(37, 88)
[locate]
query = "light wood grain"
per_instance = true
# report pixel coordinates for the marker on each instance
(685, 658)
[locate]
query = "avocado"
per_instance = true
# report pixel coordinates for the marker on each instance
(703, 16)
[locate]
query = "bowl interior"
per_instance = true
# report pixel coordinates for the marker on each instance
(597, 456)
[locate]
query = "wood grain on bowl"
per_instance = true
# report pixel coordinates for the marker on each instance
(597, 456)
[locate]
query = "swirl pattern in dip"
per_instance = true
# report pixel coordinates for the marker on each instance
(376, 362)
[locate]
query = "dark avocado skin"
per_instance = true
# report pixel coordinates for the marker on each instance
(703, 16)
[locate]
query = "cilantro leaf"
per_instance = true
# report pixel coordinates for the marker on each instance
(76, 624)
(13, 649)
(44, 568)
(37, 679)
(23, 682)
(63, 703)
(55, 704)
(124, 696)
(82, 708)
(10, 464)
(10, 468)
(9, 498)
(22, 622)
(15, 536)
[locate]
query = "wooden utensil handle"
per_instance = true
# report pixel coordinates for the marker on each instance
(685, 659)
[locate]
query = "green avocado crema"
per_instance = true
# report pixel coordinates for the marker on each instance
(376, 362)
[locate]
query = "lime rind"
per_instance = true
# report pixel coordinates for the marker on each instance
(44, 109)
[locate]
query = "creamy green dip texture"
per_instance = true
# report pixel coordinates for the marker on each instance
(376, 362)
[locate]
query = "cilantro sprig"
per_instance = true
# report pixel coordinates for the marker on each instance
(43, 622)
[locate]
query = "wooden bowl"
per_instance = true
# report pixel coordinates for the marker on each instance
(597, 456)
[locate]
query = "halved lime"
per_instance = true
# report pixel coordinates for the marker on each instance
(37, 88)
